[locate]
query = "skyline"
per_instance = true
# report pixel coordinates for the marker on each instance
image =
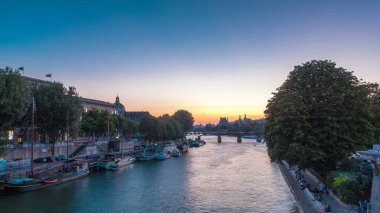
(213, 58)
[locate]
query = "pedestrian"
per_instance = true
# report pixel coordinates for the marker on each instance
(328, 208)
(365, 205)
(321, 187)
(360, 209)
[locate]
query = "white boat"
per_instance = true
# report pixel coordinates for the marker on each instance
(113, 161)
(120, 162)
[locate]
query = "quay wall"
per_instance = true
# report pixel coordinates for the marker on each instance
(44, 150)
(304, 203)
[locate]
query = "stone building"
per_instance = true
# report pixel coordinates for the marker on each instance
(34, 82)
(89, 104)
(133, 116)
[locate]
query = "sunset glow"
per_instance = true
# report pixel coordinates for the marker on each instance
(213, 58)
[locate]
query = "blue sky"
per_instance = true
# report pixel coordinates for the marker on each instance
(214, 58)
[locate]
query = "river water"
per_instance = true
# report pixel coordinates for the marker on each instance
(218, 177)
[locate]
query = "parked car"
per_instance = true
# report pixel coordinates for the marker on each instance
(43, 160)
(61, 158)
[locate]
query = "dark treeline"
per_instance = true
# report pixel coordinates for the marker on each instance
(55, 106)
(166, 127)
(103, 123)
(58, 107)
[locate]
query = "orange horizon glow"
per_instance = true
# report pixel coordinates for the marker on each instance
(205, 115)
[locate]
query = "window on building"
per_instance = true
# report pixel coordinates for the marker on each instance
(10, 135)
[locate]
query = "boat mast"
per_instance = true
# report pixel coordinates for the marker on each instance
(32, 139)
(121, 148)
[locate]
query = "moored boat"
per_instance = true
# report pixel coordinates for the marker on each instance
(162, 155)
(183, 147)
(72, 171)
(112, 162)
(125, 161)
(145, 157)
(175, 153)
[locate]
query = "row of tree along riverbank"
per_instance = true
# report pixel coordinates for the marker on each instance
(58, 115)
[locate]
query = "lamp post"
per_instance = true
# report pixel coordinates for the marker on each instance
(67, 135)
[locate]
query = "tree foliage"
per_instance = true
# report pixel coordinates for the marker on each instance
(54, 105)
(170, 127)
(95, 122)
(162, 128)
(350, 187)
(151, 128)
(14, 97)
(376, 111)
(318, 117)
(185, 119)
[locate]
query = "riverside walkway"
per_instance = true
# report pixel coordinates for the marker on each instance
(305, 199)
(337, 206)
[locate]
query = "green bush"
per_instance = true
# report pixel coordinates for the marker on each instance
(350, 187)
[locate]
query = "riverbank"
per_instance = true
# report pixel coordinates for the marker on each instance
(305, 198)
(218, 177)
(305, 202)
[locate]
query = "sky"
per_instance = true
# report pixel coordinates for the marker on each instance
(214, 58)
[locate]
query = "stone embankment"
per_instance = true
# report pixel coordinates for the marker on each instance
(305, 202)
(305, 198)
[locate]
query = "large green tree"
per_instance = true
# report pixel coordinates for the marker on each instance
(318, 117)
(122, 126)
(170, 127)
(98, 123)
(55, 106)
(151, 128)
(132, 127)
(14, 101)
(14, 97)
(185, 119)
(376, 110)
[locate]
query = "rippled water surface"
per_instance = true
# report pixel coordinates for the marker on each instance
(225, 177)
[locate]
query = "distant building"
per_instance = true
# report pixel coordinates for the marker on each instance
(133, 116)
(136, 116)
(89, 104)
(248, 121)
(223, 121)
(119, 107)
(34, 82)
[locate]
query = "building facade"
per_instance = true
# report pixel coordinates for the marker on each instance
(89, 104)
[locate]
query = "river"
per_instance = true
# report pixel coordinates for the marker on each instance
(218, 177)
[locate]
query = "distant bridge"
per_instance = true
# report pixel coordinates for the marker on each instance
(238, 135)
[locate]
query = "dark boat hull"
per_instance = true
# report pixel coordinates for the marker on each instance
(7, 188)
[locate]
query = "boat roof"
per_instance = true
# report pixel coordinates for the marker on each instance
(19, 180)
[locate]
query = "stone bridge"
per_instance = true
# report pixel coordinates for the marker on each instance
(238, 135)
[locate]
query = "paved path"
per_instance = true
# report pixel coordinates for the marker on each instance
(336, 207)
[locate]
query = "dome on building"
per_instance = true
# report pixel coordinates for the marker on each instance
(119, 106)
